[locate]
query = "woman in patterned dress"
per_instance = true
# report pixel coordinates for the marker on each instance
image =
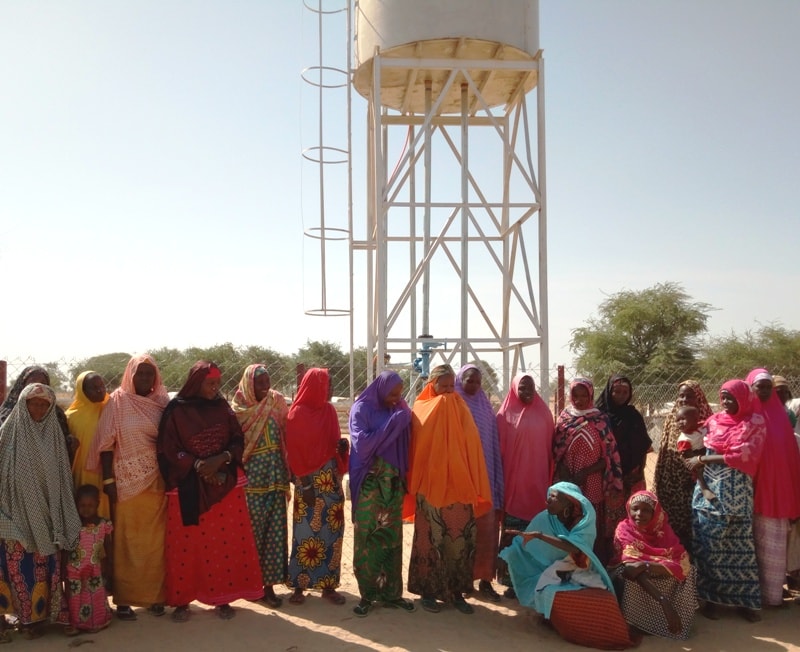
(657, 580)
(317, 458)
(38, 519)
(585, 453)
(468, 386)
(448, 489)
(724, 546)
(262, 412)
(380, 428)
(673, 483)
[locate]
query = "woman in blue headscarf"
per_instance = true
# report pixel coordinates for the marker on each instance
(555, 571)
(379, 438)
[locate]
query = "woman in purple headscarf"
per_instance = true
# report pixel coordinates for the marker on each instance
(380, 423)
(468, 385)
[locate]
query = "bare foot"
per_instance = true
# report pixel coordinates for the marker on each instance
(674, 624)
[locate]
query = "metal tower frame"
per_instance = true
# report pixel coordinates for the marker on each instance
(472, 229)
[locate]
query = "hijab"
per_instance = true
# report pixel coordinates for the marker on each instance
(525, 432)
(377, 430)
(653, 542)
(628, 426)
(254, 415)
(312, 426)
(37, 507)
(486, 421)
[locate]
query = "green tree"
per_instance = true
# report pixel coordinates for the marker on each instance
(733, 356)
(110, 366)
(652, 333)
(328, 355)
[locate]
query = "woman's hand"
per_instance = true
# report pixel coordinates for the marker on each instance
(209, 467)
(632, 570)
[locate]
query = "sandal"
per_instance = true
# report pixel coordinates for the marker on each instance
(225, 612)
(332, 596)
(362, 608)
(401, 603)
(5, 636)
(272, 601)
(181, 614)
(750, 615)
(156, 609)
(486, 589)
(69, 630)
(461, 604)
(430, 604)
(31, 632)
(297, 598)
(124, 612)
(510, 593)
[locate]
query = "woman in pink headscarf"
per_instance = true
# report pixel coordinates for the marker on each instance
(723, 524)
(525, 427)
(777, 491)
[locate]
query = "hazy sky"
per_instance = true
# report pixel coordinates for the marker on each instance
(151, 180)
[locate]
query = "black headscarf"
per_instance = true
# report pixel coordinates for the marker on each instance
(628, 425)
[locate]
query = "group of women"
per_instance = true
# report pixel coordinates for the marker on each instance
(198, 490)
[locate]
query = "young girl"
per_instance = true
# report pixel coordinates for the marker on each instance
(88, 566)
(690, 442)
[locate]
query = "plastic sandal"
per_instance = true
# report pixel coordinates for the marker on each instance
(362, 609)
(430, 604)
(401, 603)
(462, 606)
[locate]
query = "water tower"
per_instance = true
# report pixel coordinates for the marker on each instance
(455, 182)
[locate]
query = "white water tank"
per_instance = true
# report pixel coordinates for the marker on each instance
(479, 30)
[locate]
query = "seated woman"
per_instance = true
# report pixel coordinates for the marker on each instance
(658, 582)
(554, 571)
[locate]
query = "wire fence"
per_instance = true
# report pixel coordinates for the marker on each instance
(653, 396)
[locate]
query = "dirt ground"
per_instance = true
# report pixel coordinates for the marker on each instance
(320, 626)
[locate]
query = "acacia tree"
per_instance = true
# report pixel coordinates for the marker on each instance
(772, 346)
(652, 333)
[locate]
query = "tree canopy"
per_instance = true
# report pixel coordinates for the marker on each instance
(772, 346)
(652, 332)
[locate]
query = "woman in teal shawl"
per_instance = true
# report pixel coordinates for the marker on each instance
(563, 535)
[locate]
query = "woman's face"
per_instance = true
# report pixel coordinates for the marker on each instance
(686, 396)
(557, 502)
(641, 513)
(620, 393)
(526, 390)
(444, 384)
(580, 397)
(261, 386)
(37, 408)
(393, 397)
(729, 404)
(94, 388)
(471, 382)
(763, 389)
(209, 388)
(144, 379)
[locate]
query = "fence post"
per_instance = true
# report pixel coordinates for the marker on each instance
(3, 379)
(300, 371)
(560, 390)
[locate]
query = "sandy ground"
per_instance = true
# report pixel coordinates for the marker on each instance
(318, 625)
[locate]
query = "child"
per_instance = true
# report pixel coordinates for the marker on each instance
(88, 565)
(690, 441)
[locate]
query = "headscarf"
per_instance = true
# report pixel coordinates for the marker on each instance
(378, 431)
(526, 563)
(195, 428)
(628, 426)
(739, 437)
(572, 421)
(486, 421)
(446, 458)
(83, 416)
(654, 542)
(128, 426)
(253, 415)
(312, 426)
(526, 435)
(17, 387)
(669, 439)
(777, 490)
(37, 507)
